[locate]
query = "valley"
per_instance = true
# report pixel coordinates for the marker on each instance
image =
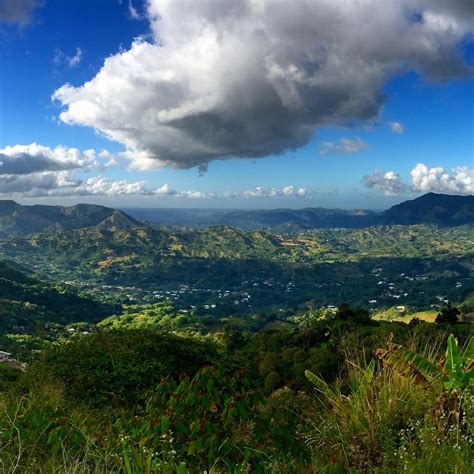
(111, 316)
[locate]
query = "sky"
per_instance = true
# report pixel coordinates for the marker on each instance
(236, 103)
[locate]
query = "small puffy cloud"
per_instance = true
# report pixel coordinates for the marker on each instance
(72, 61)
(287, 191)
(110, 160)
(343, 146)
(133, 12)
(396, 127)
(17, 11)
(459, 180)
(102, 186)
(251, 78)
(166, 191)
(388, 182)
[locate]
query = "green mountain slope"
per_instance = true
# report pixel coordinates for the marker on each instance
(25, 302)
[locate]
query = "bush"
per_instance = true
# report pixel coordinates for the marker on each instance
(118, 367)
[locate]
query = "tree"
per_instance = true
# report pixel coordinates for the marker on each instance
(448, 315)
(356, 316)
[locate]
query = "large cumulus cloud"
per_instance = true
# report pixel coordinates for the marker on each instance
(249, 78)
(439, 180)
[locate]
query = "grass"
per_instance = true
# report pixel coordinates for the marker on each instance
(428, 316)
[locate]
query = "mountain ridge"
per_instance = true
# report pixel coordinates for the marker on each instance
(431, 208)
(441, 209)
(21, 221)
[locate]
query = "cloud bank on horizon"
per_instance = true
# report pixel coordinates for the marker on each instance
(39, 171)
(252, 78)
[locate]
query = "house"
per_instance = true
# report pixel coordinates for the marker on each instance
(4, 356)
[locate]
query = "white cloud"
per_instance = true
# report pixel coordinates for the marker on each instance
(40, 171)
(287, 191)
(251, 78)
(388, 182)
(343, 146)
(133, 12)
(37, 184)
(72, 61)
(459, 181)
(34, 170)
(102, 186)
(17, 11)
(396, 127)
(27, 159)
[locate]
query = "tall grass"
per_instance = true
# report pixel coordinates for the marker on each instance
(390, 424)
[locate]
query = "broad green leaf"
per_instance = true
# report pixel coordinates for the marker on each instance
(453, 364)
(321, 386)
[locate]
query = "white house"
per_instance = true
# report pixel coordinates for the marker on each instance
(4, 355)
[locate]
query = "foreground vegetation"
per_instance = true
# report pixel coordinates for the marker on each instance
(340, 394)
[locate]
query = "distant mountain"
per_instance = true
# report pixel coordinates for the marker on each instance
(277, 219)
(310, 218)
(431, 208)
(20, 221)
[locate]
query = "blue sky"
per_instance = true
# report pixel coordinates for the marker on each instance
(322, 147)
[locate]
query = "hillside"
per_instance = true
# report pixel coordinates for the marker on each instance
(326, 265)
(431, 208)
(26, 303)
(20, 221)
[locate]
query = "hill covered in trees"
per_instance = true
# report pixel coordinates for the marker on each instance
(393, 265)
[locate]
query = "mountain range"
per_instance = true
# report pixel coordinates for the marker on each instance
(431, 208)
(441, 209)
